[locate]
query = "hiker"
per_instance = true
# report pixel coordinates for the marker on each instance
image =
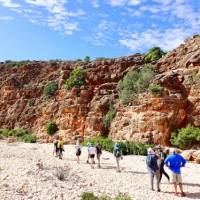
(153, 168)
(92, 152)
(78, 150)
(175, 162)
(60, 148)
(162, 156)
(99, 152)
(118, 154)
(55, 144)
(88, 157)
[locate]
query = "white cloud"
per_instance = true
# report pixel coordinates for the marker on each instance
(124, 2)
(9, 4)
(95, 3)
(167, 40)
(103, 34)
(59, 17)
(6, 18)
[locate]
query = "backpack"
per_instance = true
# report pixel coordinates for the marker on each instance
(99, 149)
(117, 152)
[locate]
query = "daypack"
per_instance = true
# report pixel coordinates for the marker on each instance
(117, 152)
(151, 162)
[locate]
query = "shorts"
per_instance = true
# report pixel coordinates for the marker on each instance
(78, 152)
(92, 155)
(175, 178)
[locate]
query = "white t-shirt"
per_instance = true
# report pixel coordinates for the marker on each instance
(92, 150)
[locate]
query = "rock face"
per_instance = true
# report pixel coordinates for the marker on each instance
(79, 112)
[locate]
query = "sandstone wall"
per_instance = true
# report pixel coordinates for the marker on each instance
(149, 118)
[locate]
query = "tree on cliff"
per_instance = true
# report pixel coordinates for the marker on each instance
(153, 54)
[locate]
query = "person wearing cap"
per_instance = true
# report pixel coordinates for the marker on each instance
(153, 168)
(175, 162)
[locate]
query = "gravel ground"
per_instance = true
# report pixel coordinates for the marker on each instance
(22, 177)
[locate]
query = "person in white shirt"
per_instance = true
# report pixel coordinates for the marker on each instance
(92, 152)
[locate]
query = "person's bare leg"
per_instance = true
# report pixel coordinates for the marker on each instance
(175, 188)
(99, 161)
(117, 160)
(181, 189)
(77, 159)
(92, 163)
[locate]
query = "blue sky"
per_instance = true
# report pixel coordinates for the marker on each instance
(71, 29)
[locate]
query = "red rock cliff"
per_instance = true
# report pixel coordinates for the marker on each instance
(80, 111)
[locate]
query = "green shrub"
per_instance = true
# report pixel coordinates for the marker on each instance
(20, 134)
(51, 128)
(128, 148)
(88, 196)
(110, 115)
(9, 132)
(76, 78)
(101, 59)
(186, 137)
(155, 88)
(135, 82)
(122, 197)
(10, 63)
(87, 59)
(50, 89)
(30, 103)
(107, 143)
(153, 54)
(29, 138)
(91, 196)
(104, 197)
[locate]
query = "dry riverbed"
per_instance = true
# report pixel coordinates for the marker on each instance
(28, 171)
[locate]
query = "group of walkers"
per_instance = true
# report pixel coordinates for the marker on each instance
(92, 149)
(156, 160)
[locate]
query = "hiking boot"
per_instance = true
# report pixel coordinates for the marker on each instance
(182, 194)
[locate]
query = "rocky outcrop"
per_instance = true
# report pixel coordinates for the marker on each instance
(79, 112)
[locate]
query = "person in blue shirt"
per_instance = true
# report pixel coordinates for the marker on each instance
(175, 162)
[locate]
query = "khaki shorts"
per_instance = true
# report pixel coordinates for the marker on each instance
(176, 178)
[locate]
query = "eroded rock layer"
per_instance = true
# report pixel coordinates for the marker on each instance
(149, 118)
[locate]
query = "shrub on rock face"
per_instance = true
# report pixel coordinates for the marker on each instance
(155, 88)
(110, 115)
(186, 137)
(135, 82)
(76, 78)
(51, 128)
(153, 54)
(87, 59)
(50, 89)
